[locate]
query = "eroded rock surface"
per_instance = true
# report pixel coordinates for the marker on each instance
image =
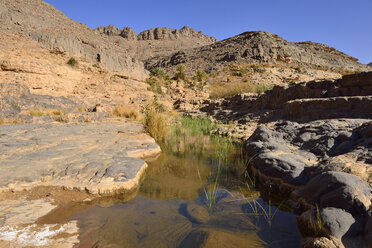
(100, 158)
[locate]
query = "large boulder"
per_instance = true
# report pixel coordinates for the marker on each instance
(327, 222)
(340, 190)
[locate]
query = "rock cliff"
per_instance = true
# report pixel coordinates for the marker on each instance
(160, 41)
(50, 27)
(159, 33)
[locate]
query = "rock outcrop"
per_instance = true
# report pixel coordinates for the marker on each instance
(45, 24)
(302, 102)
(318, 151)
(159, 33)
(128, 33)
(160, 41)
(100, 158)
(370, 64)
(258, 47)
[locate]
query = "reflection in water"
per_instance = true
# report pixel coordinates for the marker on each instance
(170, 207)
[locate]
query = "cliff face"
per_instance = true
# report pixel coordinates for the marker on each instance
(50, 27)
(159, 33)
(159, 41)
(259, 47)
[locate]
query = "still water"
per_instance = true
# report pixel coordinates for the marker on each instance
(193, 195)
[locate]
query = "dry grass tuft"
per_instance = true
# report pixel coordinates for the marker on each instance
(44, 112)
(222, 90)
(130, 113)
(10, 121)
(155, 123)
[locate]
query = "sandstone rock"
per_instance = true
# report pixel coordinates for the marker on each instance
(128, 33)
(109, 30)
(328, 108)
(100, 158)
(157, 41)
(321, 242)
(162, 33)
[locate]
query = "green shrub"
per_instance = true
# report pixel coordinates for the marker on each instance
(200, 76)
(155, 84)
(160, 73)
(181, 72)
(158, 78)
(72, 62)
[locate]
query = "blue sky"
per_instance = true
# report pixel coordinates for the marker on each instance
(343, 24)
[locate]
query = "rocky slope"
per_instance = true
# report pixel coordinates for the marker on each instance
(50, 27)
(312, 144)
(32, 76)
(159, 41)
(258, 47)
(370, 64)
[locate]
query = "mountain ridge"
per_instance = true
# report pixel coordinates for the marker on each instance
(258, 47)
(158, 33)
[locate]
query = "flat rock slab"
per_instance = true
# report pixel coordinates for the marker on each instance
(101, 158)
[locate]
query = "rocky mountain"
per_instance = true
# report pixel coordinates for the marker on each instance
(50, 27)
(258, 47)
(160, 41)
(370, 64)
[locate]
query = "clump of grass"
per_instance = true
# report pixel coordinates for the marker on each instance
(200, 125)
(257, 209)
(223, 90)
(81, 109)
(155, 122)
(44, 112)
(11, 121)
(14, 104)
(319, 222)
(211, 195)
(262, 88)
(121, 111)
(62, 119)
(72, 62)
